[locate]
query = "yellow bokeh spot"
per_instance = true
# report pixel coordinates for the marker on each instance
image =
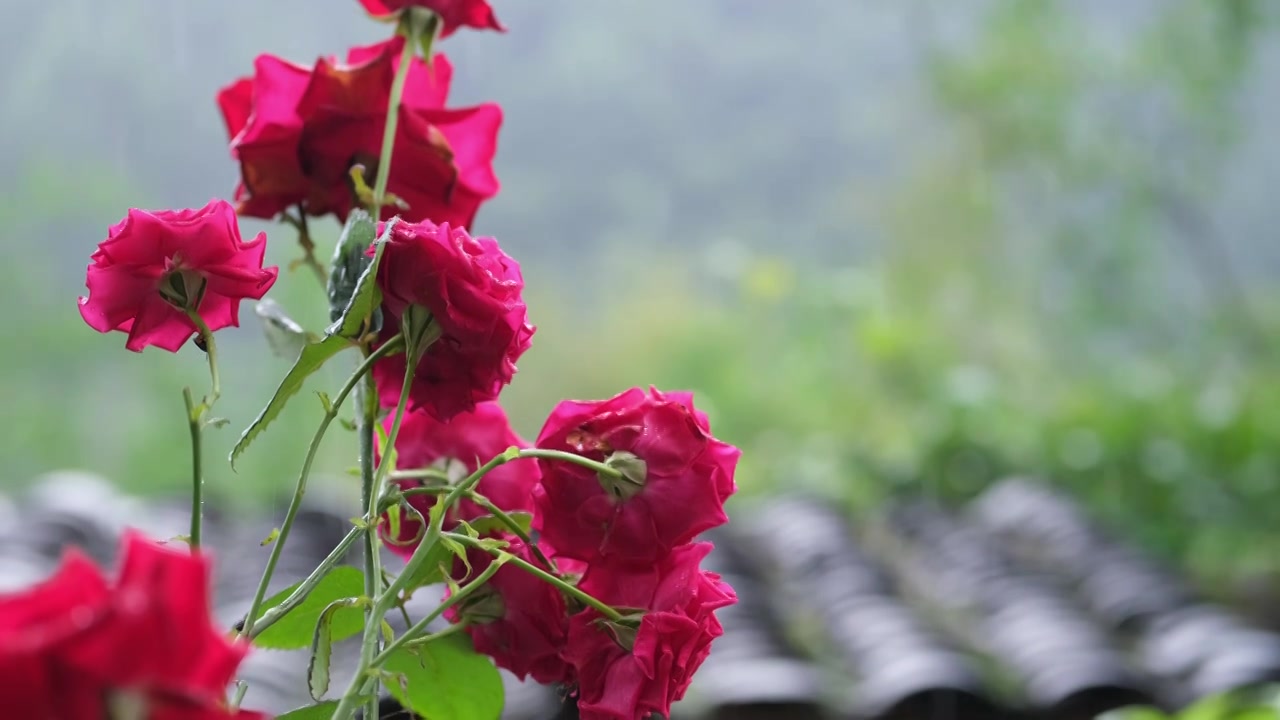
(768, 279)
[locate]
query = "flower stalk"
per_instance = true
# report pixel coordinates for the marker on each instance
(300, 487)
(196, 424)
(416, 26)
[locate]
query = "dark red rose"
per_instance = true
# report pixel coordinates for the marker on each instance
(75, 643)
(298, 131)
(458, 447)
(517, 619)
(676, 477)
(154, 264)
(453, 13)
(472, 291)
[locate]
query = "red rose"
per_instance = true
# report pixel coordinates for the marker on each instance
(154, 264)
(74, 643)
(628, 672)
(472, 290)
(453, 13)
(676, 477)
(297, 132)
(517, 619)
(458, 447)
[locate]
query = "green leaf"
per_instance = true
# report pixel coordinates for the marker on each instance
(322, 646)
(393, 521)
(285, 336)
(309, 360)
(319, 711)
(446, 678)
(353, 302)
(364, 302)
(432, 570)
(492, 524)
(349, 260)
(295, 629)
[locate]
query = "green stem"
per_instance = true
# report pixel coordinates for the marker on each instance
(432, 536)
(299, 595)
(197, 473)
(300, 488)
(454, 599)
(393, 116)
(420, 474)
(195, 424)
(384, 467)
(539, 573)
(442, 633)
(371, 485)
(210, 349)
(572, 458)
(512, 526)
(368, 402)
(425, 490)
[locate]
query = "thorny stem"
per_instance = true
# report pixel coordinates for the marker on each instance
(390, 346)
(457, 597)
(512, 526)
(299, 595)
(537, 572)
(369, 492)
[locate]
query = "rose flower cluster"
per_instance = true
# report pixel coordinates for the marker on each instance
(630, 615)
(627, 540)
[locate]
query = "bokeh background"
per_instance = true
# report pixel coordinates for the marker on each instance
(895, 247)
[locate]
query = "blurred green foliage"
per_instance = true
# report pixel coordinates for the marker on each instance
(1042, 283)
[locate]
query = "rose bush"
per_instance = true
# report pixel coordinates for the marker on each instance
(571, 562)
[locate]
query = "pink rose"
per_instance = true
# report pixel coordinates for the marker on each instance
(629, 673)
(460, 446)
(154, 266)
(473, 292)
(517, 619)
(676, 477)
